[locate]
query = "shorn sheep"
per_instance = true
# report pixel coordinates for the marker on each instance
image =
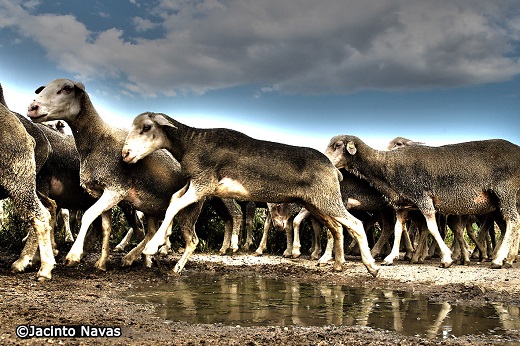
(229, 164)
(18, 181)
(146, 186)
(102, 172)
(459, 179)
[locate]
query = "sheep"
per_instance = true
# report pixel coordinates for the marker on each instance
(102, 173)
(281, 216)
(18, 181)
(466, 178)
(229, 164)
(57, 164)
(457, 223)
(358, 196)
(146, 186)
(59, 179)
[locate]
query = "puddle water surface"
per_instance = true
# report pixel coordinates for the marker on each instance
(258, 301)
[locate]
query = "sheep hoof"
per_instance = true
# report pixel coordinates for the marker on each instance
(45, 274)
(507, 265)
(20, 265)
(174, 274)
(127, 260)
(338, 267)
(321, 264)
(119, 249)
(43, 278)
(374, 270)
(386, 263)
(101, 265)
(495, 265)
(71, 263)
(297, 255)
(258, 253)
(148, 261)
(446, 264)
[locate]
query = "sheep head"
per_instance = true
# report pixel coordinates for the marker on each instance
(58, 100)
(147, 135)
(341, 150)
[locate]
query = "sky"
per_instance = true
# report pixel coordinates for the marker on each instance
(292, 71)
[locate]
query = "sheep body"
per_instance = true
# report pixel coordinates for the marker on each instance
(18, 181)
(146, 186)
(229, 164)
(459, 179)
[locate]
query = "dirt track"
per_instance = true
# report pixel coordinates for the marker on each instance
(85, 296)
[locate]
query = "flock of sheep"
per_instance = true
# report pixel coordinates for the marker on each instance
(167, 170)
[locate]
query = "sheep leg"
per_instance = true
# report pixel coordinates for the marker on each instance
(398, 231)
(231, 214)
(316, 246)
(65, 216)
(135, 221)
(422, 245)
(329, 248)
(296, 249)
(289, 236)
(28, 255)
(248, 224)
(386, 232)
(226, 243)
(408, 245)
(431, 222)
(187, 218)
(125, 241)
(508, 250)
(129, 258)
(181, 199)
(107, 200)
(458, 227)
(39, 238)
(356, 231)
(263, 243)
(41, 225)
(106, 226)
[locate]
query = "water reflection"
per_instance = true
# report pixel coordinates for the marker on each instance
(265, 301)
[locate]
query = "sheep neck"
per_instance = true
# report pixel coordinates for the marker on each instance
(88, 127)
(372, 165)
(178, 139)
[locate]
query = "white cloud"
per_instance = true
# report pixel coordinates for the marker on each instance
(143, 24)
(309, 47)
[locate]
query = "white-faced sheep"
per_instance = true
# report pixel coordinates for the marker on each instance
(147, 186)
(229, 164)
(460, 179)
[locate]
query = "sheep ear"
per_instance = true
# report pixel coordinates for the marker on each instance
(39, 90)
(351, 148)
(159, 119)
(79, 86)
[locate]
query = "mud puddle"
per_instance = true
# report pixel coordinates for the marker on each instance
(259, 301)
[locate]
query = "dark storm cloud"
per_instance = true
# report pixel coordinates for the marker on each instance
(283, 46)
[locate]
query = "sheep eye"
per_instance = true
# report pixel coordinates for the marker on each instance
(146, 128)
(66, 89)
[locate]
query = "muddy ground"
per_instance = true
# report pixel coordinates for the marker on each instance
(86, 296)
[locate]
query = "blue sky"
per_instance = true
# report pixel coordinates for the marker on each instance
(293, 71)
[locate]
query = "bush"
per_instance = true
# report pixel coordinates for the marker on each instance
(13, 228)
